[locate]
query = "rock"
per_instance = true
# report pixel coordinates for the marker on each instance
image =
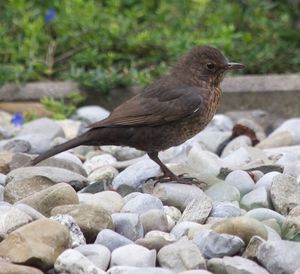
(123, 153)
(44, 201)
(108, 200)
(90, 114)
(223, 192)
(173, 215)
(90, 218)
(182, 229)
(212, 139)
(156, 240)
(34, 214)
(225, 210)
(70, 128)
(98, 161)
(240, 265)
(252, 247)
(138, 270)
(257, 198)
(72, 261)
(236, 143)
(243, 227)
(18, 189)
(111, 239)
(9, 268)
(2, 179)
(178, 195)
(98, 254)
(104, 174)
(197, 210)
(279, 139)
(279, 256)
(220, 122)
(29, 245)
(180, 256)
(212, 244)
(56, 175)
(12, 218)
(1, 193)
(272, 223)
(93, 188)
(241, 180)
(262, 214)
(76, 234)
(266, 180)
(133, 255)
(128, 225)
(17, 146)
(142, 203)
(216, 265)
(196, 272)
(136, 174)
(285, 193)
(154, 219)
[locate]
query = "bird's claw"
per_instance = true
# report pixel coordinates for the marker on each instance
(180, 179)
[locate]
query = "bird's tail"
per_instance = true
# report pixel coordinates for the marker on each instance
(80, 140)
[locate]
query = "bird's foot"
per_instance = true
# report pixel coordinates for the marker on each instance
(180, 179)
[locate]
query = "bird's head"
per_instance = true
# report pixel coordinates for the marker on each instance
(206, 63)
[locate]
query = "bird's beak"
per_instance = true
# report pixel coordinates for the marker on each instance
(233, 66)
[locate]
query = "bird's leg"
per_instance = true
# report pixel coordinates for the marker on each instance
(168, 175)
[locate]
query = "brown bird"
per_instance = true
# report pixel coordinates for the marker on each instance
(167, 113)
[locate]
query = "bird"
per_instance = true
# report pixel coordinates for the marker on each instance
(166, 113)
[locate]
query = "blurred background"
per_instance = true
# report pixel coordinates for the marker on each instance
(109, 43)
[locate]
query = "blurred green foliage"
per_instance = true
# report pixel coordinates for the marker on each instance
(108, 43)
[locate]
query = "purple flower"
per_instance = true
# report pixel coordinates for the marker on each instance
(17, 120)
(50, 15)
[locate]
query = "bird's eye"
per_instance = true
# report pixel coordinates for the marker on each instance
(210, 66)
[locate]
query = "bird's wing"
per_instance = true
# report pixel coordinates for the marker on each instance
(153, 107)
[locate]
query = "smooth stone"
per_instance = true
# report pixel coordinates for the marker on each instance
(9, 268)
(223, 192)
(12, 218)
(2, 179)
(17, 146)
(225, 210)
(272, 223)
(197, 210)
(37, 244)
(241, 180)
(98, 254)
(285, 193)
(257, 198)
(182, 229)
(93, 187)
(240, 265)
(98, 161)
(108, 200)
(216, 265)
(1, 193)
(128, 225)
(56, 175)
(111, 239)
(70, 128)
(156, 240)
(76, 234)
(142, 203)
(104, 174)
(243, 227)
(133, 255)
(212, 139)
(279, 139)
(90, 218)
(138, 270)
(90, 114)
(173, 215)
(291, 228)
(220, 122)
(236, 143)
(18, 189)
(262, 214)
(266, 180)
(154, 219)
(72, 261)
(212, 244)
(34, 214)
(279, 256)
(130, 196)
(196, 272)
(180, 256)
(136, 174)
(237, 158)
(123, 153)
(177, 195)
(252, 247)
(292, 126)
(44, 201)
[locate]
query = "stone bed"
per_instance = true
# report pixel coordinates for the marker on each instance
(90, 210)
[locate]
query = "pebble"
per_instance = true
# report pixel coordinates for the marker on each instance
(123, 153)
(128, 225)
(173, 215)
(138, 270)
(98, 254)
(225, 210)
(111, 239)
(104, 174)
(220, 122)
(180, 256)
(252, 247)
(223, 192)
(142, 203)
(90, 218)
(257, 198)
(266, 180)
(182, 229)
(133, 255)
(236, 143)
(215, 245)
(28, 244)
(90, 114)
(262, 214)
(2, 179)
(279, 256)
(154, 219)
(196, 272)
(98, 161)
(212, 139)
(156, 240)
(9, 268)
(72, 261)
(34, 214)
(241, 180)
